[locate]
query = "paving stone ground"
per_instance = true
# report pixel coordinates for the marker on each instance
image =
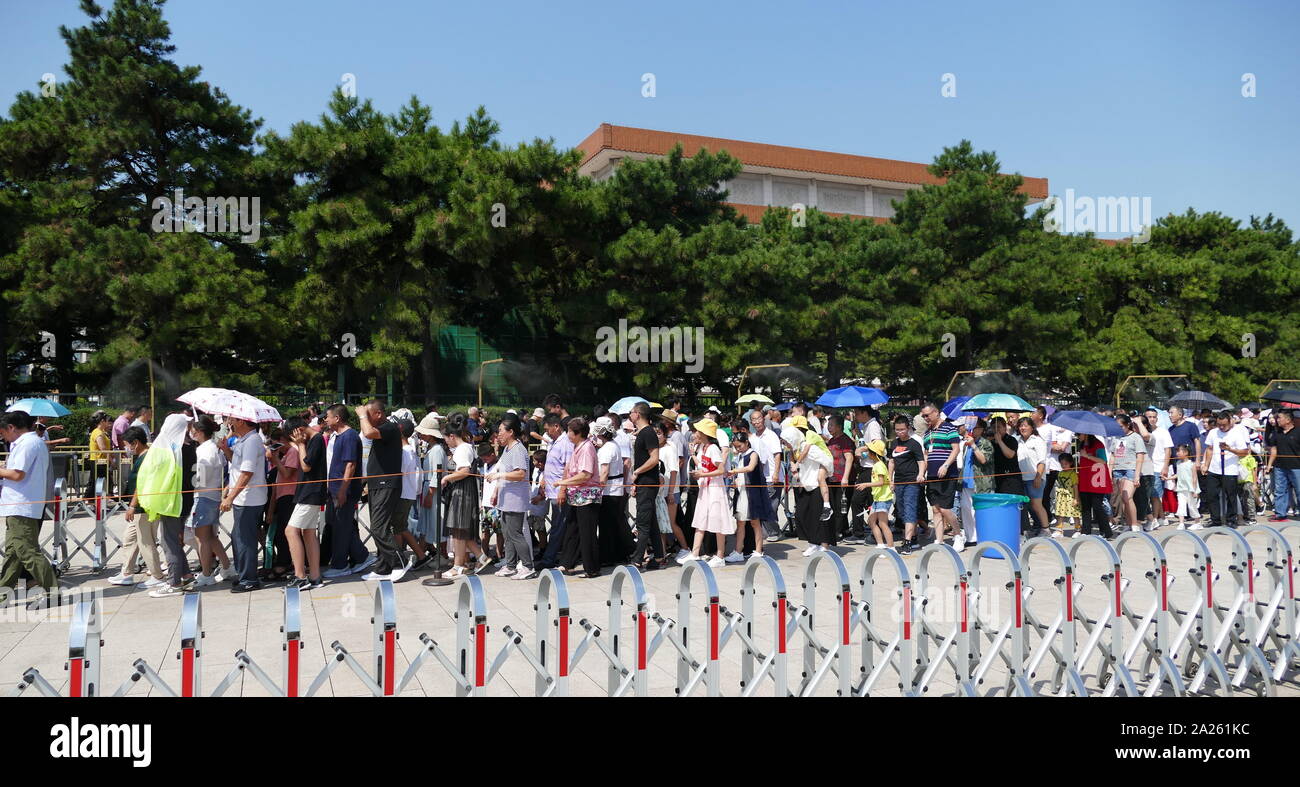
(136, 626)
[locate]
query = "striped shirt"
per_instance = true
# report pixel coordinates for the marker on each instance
(939, 444)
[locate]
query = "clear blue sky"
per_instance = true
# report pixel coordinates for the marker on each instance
(1108, 98)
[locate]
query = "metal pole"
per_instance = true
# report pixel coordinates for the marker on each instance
(480, 378)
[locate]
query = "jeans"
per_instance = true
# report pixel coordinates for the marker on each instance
(345, 542)
(906, 495)
(772, 528)
(248, 526)
(1285, 483)
(555, 537)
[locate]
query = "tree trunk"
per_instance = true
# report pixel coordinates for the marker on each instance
(428, 363)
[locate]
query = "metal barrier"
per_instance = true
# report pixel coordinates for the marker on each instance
(1131, 647)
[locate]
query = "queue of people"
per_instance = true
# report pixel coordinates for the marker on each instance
(650, 487)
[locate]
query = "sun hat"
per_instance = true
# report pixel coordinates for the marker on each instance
(877, 447)
(708, 427)
(539, 413)
(603, 425)
(799, 422)
(713, 408)
(429, 425)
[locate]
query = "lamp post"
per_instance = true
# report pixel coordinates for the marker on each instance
(480, 379)
(745, 371)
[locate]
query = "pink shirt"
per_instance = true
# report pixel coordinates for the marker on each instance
(286, 478)
(583, 459)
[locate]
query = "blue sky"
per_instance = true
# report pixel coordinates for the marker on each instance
(1107, 98)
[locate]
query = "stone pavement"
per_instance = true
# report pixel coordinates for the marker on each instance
(137, 626)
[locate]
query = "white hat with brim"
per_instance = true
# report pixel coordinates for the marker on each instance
(429, 425)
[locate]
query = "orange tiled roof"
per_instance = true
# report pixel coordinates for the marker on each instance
(640, 140)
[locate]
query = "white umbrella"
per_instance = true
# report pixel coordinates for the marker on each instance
(233, 404)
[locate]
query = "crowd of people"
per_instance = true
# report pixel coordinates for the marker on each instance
(651, 487)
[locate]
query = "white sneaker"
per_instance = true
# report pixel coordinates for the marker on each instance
(681, 553)
(1195, 526)
(524, 573)
(1182, 526)
(881, 546)
(1056, 534)
(716, 562)
(121, 579)
(365, 564)
(166, 591)
(153, 583)
(505, 571)
(681, 561)
(735, 557)
(374, 576)
(229, 574)
(812, 550)
(203, 580)
(335, 573)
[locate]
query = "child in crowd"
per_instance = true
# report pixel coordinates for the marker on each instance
(1188, 487)
(882, 495)
(487, 456)
(1069, 514)
(421, 554)
(537, 501)
(1247, 488)
(752, 502)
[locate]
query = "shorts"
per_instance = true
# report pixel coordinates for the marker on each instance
(881, 506)
(942, 494)
(206, 512)
(1123, 475)
(1031, 492)
(305, 516)
(1157, 485)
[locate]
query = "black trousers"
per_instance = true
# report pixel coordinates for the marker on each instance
(860, 502)
(1049, 500)
(580, 535)
(838, 524)
(647, 526)
(807, 516)
(615, 539)
(1220, 495)
(1093, 505)
(383, 506)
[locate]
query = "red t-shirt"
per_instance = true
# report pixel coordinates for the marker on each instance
(1094, 476)
(841, 451)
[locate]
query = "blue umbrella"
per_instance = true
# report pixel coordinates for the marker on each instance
(783, 406)
(39, 407)
(996, 401)
(624, 406)
(953, 408)
(1086, 422)
(853, 396)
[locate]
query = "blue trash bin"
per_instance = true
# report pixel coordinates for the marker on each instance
(997, 518)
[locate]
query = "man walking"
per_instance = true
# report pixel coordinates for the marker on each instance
(557, 456)
(768, 446)
(645, 476)
(247, 496)
(22, 503)
(940, 444)
(1220, 464)
(384, 483)
(1284, 463)
(342, 460)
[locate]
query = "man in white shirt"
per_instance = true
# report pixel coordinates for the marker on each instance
(22, 503)
(1058, 442)
(1221, 465)
(767, 445)
(1159, 453)
(247, 497)
(143, 420)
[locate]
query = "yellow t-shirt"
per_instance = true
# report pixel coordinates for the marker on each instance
(880, 472)
(97, 454)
